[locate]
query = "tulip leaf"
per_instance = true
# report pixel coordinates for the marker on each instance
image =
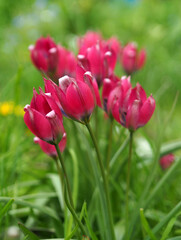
(6, 208)
(170, 147)
(169, 216)
(46, 210)
(168, 228)
(145, 225)
(28, 234)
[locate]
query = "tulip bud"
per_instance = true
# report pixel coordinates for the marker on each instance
(51, 59)
(167, 160)
(131, 59)
(130, 106)
(44, 118)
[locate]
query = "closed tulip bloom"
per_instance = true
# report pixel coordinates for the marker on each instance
(114, 44)
(88, 40)
(167, 160)
(50, 149)
(131, 107)
(75, 96)
(99, 60)
(44, 54)
(108, 85)
(44, 119)
(131, 59)
(51, 59)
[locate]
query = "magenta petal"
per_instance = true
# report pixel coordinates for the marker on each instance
(56, 125)
(146, 111)
(38, 124)
(140, 93)
(40, 103)
(94, 57)
(63, 142)
(141, 59)
(80, 98)
(133, 114)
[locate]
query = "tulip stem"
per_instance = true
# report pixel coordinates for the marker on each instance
(65, 174)
(105, 181)
(65, 180)
(109, 145)
(128, 181)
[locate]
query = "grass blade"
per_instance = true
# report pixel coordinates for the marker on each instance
(30, 235)
(145, 225)
(6, 208)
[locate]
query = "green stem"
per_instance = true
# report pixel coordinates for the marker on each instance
(105, 181)
(128, 181)
(109, 145)
(65, 174)
(65, 180)
(96, 122)
(71, 209)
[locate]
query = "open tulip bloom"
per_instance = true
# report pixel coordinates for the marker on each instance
(74, 87)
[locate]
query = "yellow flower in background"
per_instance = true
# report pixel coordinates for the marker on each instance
(8, 108)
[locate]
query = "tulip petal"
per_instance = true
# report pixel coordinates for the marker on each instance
(146, 111)
(38, 124)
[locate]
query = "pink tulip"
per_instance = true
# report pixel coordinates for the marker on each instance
(100, 60)
(108, 85)
(167, 160)
(43, 117)
(76, 97)
(51, 59)
(50, 149)
(131, 59)
(120, 92)
(130, 106)
(88, 40)
(115, 45)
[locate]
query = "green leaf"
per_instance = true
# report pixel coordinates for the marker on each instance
(30, 235)
(146, 226)
(170, 147)
(46, 210)
(6, 208)
(175, 238)
(168, 228)
(167, 218)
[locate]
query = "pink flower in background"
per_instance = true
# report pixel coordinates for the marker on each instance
(51, 59)
(44, 55)
(99, 60)
(131, 59)
(167, 160)
(44, 118)
(130, 106)
(88, 40)
(108, 85)
(115, 45)
(49, 149)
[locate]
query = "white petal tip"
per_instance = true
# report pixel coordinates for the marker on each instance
(26, 107)
(52, 50)
(51, 114)
(31, 47)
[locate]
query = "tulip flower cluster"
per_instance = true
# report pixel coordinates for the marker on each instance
(74, 87)
(73, 84)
